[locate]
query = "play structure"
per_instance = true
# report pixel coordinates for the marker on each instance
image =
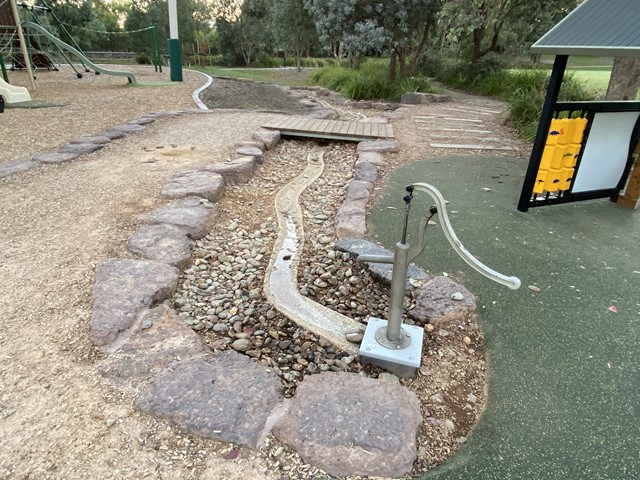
(586, 150)
(27, 42)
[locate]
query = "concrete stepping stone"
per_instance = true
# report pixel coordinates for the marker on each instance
(158, 339)
(95, 139)
(122, 287)
(443, 301)
(225, 397)
(347, 425)
(365, 171)
(234, 172)
(197, 183)
(55, 157)
(270, 138)
(374, 158)
(128, 128)
(382, 272)
(254, 152)
(194, 216)
(379, 146)
(15, 166)
(80, 148)
(162, 243)
(351, 216)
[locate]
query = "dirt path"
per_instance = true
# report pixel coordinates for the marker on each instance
(57, 419)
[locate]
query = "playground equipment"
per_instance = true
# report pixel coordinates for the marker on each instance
(389, 344)
(12, 94)
(31, 46)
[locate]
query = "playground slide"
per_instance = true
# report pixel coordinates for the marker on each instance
(78, 53)
(13, 94)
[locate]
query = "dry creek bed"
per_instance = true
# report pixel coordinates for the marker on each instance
(220, 296)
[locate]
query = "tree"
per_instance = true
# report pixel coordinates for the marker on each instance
(293, 27)
(481, 25)
(253, 28)
(359, 27)
(625, 79)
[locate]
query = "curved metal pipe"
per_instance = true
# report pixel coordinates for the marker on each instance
(512, 282)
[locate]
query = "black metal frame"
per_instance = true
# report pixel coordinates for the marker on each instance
(551, 109)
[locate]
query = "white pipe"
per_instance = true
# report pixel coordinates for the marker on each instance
(511, 282)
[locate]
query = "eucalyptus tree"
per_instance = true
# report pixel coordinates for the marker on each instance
(293, 27)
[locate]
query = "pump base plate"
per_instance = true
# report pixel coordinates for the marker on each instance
(402, 362)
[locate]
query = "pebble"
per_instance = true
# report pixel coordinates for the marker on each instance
(241, 345)
(354, 337)
(457, 296)
(449, 425)
(533, 288)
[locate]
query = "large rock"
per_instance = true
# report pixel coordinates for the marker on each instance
(197, 183)
(437, 303)
(269, 138)
(374, 158)
(158, 339)
(250, 143)
(163, 243)
(225, 396)
(128, 128)
(80, 148)
(111, 134)
(382, 272)
(412, 98)
(122, 287)
(323, 113)
(15, 166)
(55, 157)
(194, 216)
(380, 146)
(96, 139)
(347, 425)
(234, 172)
(365, 171)
(351, 216)
(254, 152)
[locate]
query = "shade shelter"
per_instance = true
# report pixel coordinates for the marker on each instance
(584, 150)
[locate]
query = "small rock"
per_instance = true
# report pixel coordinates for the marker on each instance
(428, 328)
(241, 345)
(533, 288)
(471, 398)
(466, 340)
(457, 296)
(449, 425)
(354, 337)
(437, 398)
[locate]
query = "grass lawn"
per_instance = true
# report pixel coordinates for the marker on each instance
(282, 76)
(596, 80)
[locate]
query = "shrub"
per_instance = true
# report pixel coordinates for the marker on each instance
(369, 82)
(143, 59)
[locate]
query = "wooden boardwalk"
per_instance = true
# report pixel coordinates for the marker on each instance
(330, 129)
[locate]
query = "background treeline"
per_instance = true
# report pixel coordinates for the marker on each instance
(482, 33)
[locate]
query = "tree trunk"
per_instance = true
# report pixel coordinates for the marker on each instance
(299, 60)
(478, 37)
(625, 79)
(402, 62)
(393, 65)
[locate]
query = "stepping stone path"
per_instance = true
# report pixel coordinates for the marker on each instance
(254, 152)
(461, 127)
(351, 216)
(270, 138)
(98, 140)
(163, 243)
(224, 396)
(197, 183)
(194, 216)
(121, 289)
(9, 168)
(55, 157)
(346, 424)
(81, 148)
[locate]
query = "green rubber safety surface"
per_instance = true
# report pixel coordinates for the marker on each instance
(563, 363)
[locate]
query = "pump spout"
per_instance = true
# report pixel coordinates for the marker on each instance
(512, 282)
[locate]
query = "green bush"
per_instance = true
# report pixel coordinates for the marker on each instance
(369, 82)
(143, 59)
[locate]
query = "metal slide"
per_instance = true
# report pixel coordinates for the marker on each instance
(65, 46)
